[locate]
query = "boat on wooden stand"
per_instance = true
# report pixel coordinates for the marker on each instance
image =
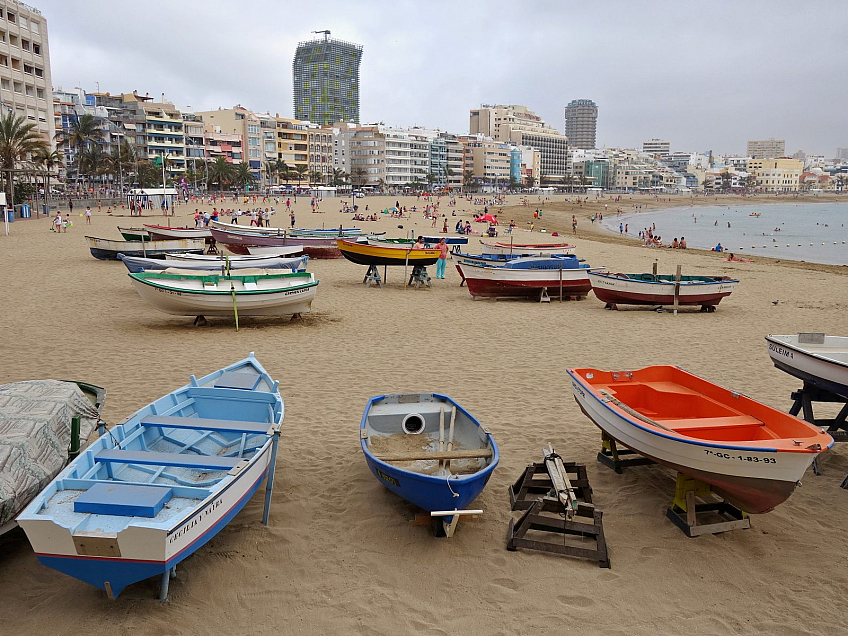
(314, 247)
(108, 250)
(381, 253)
(751, 454)
(164, 233)
(157, 487)
(429, 450)
(661, 289)
(815, 358)
(529, 278)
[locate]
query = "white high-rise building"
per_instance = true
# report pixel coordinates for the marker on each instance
(26, 88)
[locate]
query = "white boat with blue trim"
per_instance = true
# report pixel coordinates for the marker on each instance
(815, 358)
(154, 489)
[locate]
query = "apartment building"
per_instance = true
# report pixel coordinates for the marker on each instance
(325, 75)
(766, 148)
(321, 148)
(489, 161)
(238, 120)
(776, 175)
(656, 147)
(407, 156)
(218, 144)
(293, 143)
(581, 123)
(520, 126)
(25, 83)
(367, 155)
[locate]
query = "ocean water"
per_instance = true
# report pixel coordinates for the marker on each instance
(812, 232)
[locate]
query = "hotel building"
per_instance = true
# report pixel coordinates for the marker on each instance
(325, 76)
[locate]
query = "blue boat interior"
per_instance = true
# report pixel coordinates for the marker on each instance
(408, 425)
(152, 470)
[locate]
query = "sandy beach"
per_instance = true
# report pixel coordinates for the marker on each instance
(339, 555)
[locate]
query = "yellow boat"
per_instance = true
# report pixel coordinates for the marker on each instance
(367, 254)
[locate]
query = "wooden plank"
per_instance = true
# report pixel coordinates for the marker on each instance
(185, 460)
(410, 456)
(205, 424)
(677, 289)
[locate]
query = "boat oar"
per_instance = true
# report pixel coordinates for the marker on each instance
(235, 307)
(441, 433)
(450, 437)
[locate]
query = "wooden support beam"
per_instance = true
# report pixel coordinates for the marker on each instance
(411, 456)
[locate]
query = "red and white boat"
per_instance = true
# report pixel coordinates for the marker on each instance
(164, 233)
(519, 278)
(751, 454)
(650, 289)
(526, 249)
(313, 247)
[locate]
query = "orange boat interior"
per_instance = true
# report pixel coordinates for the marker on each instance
(682, 403)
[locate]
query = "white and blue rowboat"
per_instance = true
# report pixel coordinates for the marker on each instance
(136, 264)
(108, 250)
(815, 358)
(568, 261)
(429, 450)
(155, 488)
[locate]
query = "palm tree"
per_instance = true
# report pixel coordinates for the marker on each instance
(221, 172)
(147, 175)
(339, 177)
(270, 171)
(18, 141)
(448, 174)
(81, 132)
(48, 161)
(122, 159)
(283, 170)
(530, 181)
(358, 176)
(93, 162)
(300, 171)
(430, 179)
(467, 178)
(242, 176)
(315, 176)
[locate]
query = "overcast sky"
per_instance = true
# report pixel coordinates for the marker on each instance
(705, 76)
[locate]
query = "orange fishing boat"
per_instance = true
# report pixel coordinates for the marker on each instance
(751, 454)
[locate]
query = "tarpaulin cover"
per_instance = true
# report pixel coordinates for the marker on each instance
(35, 432)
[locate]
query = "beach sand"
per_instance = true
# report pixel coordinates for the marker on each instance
(339, 555)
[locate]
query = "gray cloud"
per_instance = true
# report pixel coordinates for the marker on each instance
(702, 75)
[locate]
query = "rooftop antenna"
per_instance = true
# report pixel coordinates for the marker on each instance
(326, 34)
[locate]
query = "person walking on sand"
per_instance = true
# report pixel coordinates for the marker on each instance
(57, 223)
(573, 224)
(70, 206)
(441, 264)
(87, 215)
(291, 217)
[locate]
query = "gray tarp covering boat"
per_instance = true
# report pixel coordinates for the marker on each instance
(35, 432)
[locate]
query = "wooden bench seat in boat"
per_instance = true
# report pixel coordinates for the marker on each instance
(710, 423)
(411, 456)
(123, 500)
(183, 460)
(238, 379)
(206, 424)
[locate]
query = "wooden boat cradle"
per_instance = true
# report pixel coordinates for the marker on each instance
(559, 505)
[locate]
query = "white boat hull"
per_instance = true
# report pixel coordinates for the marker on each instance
(825, 365)
(764, 476)
(494, 248)
(179, 302)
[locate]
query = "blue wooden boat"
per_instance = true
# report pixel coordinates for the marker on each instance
(151, 491)
(429, 450)
(567, 261)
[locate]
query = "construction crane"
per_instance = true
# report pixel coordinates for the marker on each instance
(326, 34)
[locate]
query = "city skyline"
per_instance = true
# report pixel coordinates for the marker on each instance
(695, 78)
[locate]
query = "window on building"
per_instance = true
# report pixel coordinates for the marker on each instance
(36, 48)
(13, 39)
(10, 17)
(24, 23)
(28, 69)
(16, 64)
(5, 85)
(39, 72)
(19, 87)
(34, 27)
(25, 45)
(42, 115)
(239, 116)
(30, 91)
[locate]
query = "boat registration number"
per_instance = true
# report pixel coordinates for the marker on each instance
(743, 458)
(781, 351)
(388, 478)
